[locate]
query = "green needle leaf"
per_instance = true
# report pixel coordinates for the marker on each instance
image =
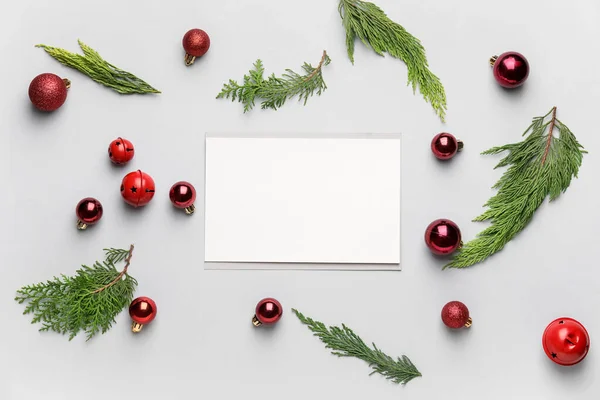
(94, 66)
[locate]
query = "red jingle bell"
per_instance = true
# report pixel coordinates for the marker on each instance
(455, 315)
(137, 188)
(195, 43)
(48, 92)
(511, 69)
(142, 311)
(89, 211)
(120, 151)
(444, 146)
(443, 237)
(268, 311)
(183, 195)
(566, 341)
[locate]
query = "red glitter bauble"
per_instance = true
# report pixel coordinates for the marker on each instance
(183, 195)
(195, 43)
(120, 151)
(137, 188)
(456, 315)
(89, 211)
(444, 146)
(142, 311)
(48, 92)
(268, 311)
(511, 69)
(443, 237)
(566, 341)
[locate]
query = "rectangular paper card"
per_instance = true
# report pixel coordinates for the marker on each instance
(325, 203)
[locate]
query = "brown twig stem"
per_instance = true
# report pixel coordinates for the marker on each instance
(549, 141)
(316, 71)
(118, 278)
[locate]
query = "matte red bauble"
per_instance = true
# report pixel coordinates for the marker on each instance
(137, 188)
(566, 341)
(444, 146)
(89, 211)
(268, 311)
(183, 195)
(511, 69)
(120, 151)
(142, 311)
(456, 315)
(195, 43)
(442, 236)
(48, 92)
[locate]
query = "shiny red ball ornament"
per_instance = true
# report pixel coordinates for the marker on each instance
(183, 195)
(137, 188)
(455, 315)
(566, 341)
(511, 69)
(268, 311)
(444, 146)
(120, 151)
(89, 211)
(443, 237)
(195, 43)
(142, 311)
(48, 92)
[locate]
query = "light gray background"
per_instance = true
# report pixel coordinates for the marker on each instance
(202, 344)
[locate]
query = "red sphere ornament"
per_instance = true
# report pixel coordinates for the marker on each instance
(444, 146)
(137, 188)
(442, 236)
(142, 311)
(566, 341)
(183, 195)
(268, 311)
(195, 43)
(48, 92)
(120, 151)
(455, 315)
(511, 69)
(89, 211)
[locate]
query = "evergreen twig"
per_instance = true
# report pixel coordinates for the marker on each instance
(275, 91)
(99, 70)
(88, 301)
(372, 26)
(540, 166)
(345, 343)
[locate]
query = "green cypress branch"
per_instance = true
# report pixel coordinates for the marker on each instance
(345, 343)
(540, 166)
(95, 67)
(372, 26)
(275, 91)
(88, 301)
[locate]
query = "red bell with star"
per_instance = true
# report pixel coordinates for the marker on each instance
(268, 311)
(137, 188)
(48, 92)
(455, 315)
(183, 195)
(566, 341)
(443, 237)
(511, 69)
(142, 311)
(89, 211)
(120, 151)
(196, 43)
(444, 146)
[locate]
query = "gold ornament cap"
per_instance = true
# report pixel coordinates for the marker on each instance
(136, 327)
(469, 323)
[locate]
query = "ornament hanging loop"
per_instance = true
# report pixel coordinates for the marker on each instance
(189, 59)
(493, 60)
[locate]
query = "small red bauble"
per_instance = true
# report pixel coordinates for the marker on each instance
(566, 341)
(183, 195)
(195, 43)
(444, 146)
(137, 188)
(268, 311)
(120, 151)
(442, 236)
(142, 311)
(511, 69)
(456, 315)
(48, 92)
(89, 211)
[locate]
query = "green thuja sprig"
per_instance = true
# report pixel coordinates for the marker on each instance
(540, 166)
(101, 71)
(275, 91)
(345, 343)
(88, 301)
(372, 26)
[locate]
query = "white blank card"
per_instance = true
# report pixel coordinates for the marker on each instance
(302, 200)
